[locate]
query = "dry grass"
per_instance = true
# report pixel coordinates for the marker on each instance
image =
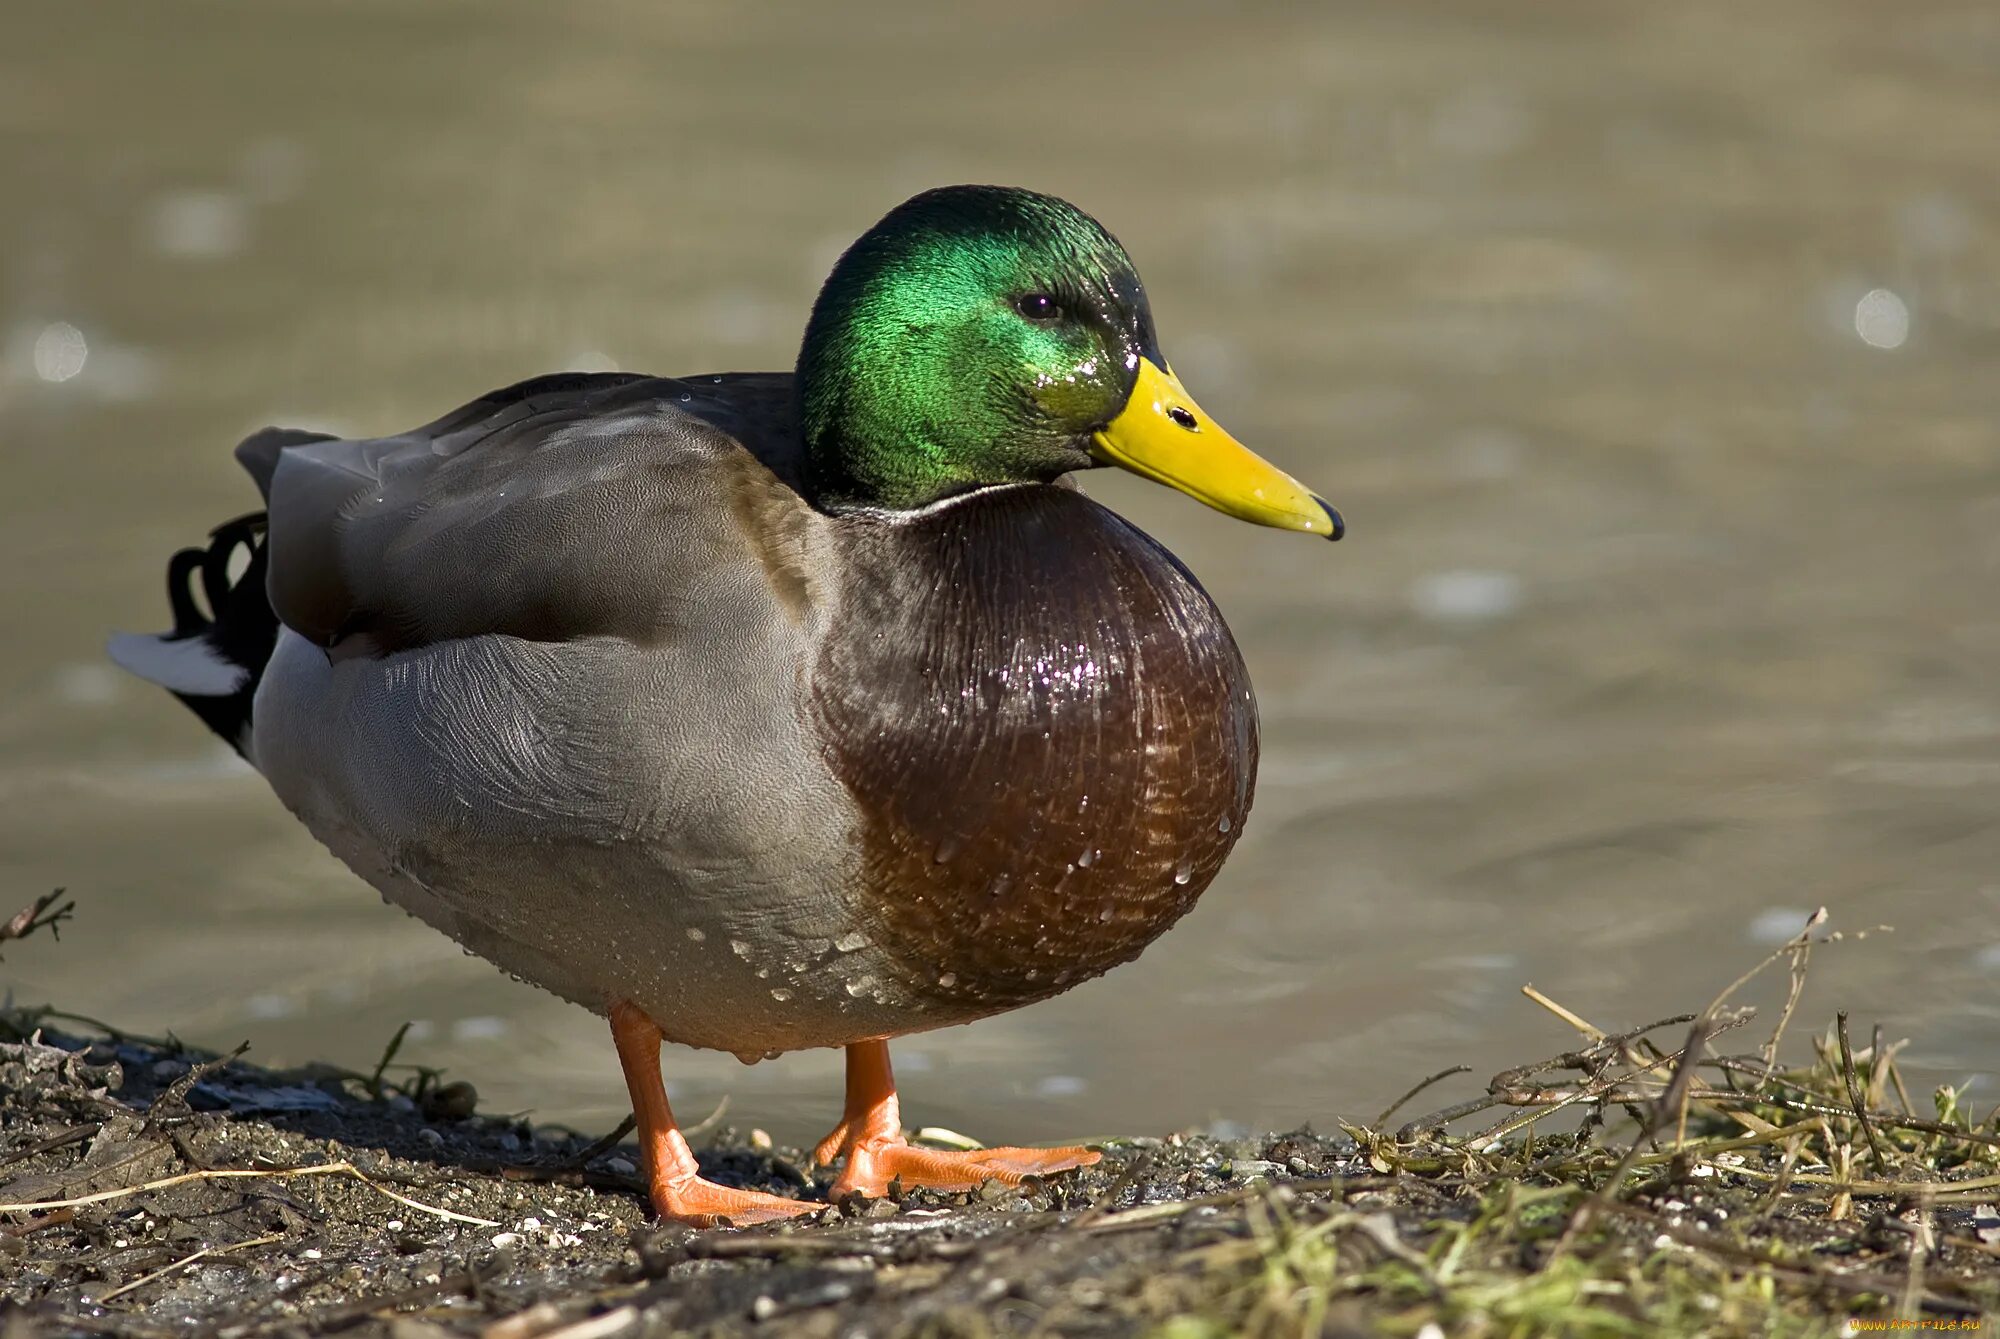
(1688, 1189)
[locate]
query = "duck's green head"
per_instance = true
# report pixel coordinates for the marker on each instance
(983, 335)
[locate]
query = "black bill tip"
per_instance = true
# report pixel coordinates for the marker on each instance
(1339, 525)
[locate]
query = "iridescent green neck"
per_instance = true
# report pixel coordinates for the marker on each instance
(919, 379)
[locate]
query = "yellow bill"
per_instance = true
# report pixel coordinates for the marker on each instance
(1162, 434)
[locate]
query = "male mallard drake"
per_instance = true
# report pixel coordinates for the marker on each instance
(758, 711)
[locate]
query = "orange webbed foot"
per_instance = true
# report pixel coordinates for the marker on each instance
(870, 1136)
(873, 1163)
(702, 1203)
(679, 1193)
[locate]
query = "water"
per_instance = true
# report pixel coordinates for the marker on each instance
(1649, 353)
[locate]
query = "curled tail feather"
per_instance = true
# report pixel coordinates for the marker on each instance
(211, 661)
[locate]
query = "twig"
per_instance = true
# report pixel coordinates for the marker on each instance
(1588, 1029)
(1786, 1166)
(1923, 1240)
(341, 1168)
(1602, 1090)
(1505, 1088)
(1887, 1120)
(56, 1219)
(175, 1094)
(708, 1122)
(38, 915)
(1942, 1192)
(602, 1146)
(1854, 1093)
(388, 1054)
(76, 1134)
(201, 1254)
(1438, 1077)
(1813, 922)
(1800, 947)
(1656, 1119)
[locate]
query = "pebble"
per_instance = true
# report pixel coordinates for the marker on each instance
(1247, 1167)
(620, 1166)
(453, 1101)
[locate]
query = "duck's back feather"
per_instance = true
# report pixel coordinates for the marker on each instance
(567, 506)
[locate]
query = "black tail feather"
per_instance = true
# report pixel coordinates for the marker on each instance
(238, 628)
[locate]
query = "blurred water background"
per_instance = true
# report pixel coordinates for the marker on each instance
(1653, 353)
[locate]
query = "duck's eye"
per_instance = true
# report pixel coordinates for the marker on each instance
(1038, 307)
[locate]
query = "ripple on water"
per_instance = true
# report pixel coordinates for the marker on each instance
(87, 684)
(1882, 319)
(198, 224)
(1466, 596)
(1774, 925)
(479, 1027)
(268, 1008)
(60, 351)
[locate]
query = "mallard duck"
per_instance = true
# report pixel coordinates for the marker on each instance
(764, 711)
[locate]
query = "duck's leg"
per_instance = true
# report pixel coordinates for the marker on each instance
(679, 1193)
(870, 1133)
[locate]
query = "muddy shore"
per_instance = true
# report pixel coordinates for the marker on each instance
(1667, 1178)
(401, 1205)
(149, 1190)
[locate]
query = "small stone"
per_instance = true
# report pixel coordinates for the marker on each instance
(620, 1167)
(452, 1101)
(1244, 1168)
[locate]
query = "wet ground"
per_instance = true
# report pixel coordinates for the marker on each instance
(468, 1220)
(149, 1191)
(1649, 351)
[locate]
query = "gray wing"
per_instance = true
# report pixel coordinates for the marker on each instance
(564, 507)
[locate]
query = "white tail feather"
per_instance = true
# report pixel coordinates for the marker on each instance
(180, 664)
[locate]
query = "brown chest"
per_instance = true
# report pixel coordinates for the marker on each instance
(1049, 734)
